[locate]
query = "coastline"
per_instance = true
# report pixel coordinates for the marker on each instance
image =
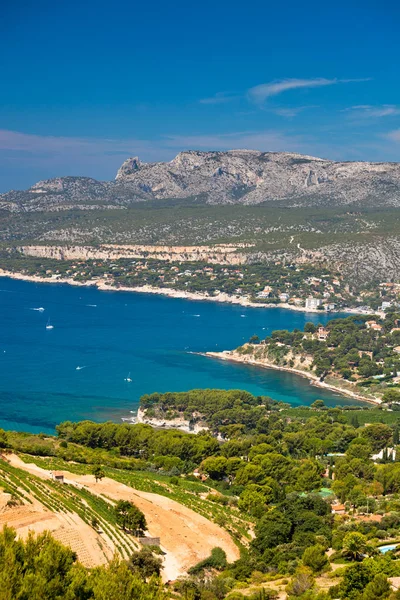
(102, 285)
(229, 355)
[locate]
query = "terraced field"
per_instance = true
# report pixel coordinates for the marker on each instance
(186, 536)
(40, 504)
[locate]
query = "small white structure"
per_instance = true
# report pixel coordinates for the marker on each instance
(391, 454)
(57, 476)
(313, 303)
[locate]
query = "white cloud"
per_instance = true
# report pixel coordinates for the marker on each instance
(291, 111)
(58, 150)
(250, 140)
(219, 98)
(17, 141)
(369, 111)
(394, 135)
(260, 93)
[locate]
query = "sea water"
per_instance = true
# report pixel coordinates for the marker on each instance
(79, 369)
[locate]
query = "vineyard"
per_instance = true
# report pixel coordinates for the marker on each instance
(195, 495)
(58, 498)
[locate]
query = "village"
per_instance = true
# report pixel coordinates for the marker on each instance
(305, 287)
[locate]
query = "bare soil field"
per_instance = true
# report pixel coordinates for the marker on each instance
(70, 530)
(186, 537)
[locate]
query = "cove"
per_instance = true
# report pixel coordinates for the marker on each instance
(116, 336)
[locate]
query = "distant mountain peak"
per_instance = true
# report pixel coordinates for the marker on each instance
(216, 177)
(129, 167)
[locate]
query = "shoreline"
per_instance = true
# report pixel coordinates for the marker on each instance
(229, 356)
(222, 298)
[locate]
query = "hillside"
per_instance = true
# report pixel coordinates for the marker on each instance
(281, 206)
(186, 537)
(233, 177)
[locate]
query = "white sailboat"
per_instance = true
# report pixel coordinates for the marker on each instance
(49, 325)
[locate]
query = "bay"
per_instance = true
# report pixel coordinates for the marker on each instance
(115, 336)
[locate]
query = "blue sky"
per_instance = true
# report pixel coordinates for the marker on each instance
(84, 85)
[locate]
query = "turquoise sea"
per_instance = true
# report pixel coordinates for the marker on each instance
(113, 336)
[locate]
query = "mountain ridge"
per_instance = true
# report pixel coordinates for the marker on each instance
(231, 177)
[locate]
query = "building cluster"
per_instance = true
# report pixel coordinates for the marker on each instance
(306, 286)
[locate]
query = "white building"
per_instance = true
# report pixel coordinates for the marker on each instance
(391, 454)
(313, 303)
(386, 305)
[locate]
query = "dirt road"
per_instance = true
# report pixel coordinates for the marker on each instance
(186, 536)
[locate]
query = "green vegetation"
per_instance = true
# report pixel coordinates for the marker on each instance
(66, 499)
(360, 353)
(43, 569)
(128, 516)
(269, 478)
(185, 221)
(216, 560)
(248, 280)
(145, 564)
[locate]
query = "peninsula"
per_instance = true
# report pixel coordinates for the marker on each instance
(358, 356)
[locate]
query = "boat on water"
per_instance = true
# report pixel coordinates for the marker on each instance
(128, 379)
(49, 325)
(40, 309)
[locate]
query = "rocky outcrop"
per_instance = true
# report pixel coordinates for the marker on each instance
(177, 423)
(218, 254)
(234, 177)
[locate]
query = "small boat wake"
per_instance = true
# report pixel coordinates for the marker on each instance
(78, 368)
(128, 379)
(92, 305)
(196, 315)
(39, 309)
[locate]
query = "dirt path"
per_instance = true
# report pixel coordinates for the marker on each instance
(186, 536)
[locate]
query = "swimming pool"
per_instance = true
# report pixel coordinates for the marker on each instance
(387, 548)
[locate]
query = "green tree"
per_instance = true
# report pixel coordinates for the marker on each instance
(272, 529)
(391, 395)
(378, 434)
(254, 499)
(318, 404)
(128, 516)
(377, 589)
(315, 558)
(309, 476)
(355, 580)
(145, 564)
(302, 582)
(215, 467)
(354, 545)
(117, 582)
(98, 473)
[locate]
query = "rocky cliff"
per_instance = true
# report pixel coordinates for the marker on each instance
(234, 177)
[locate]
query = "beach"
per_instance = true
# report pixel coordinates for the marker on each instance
(222, 297)
(233, 356)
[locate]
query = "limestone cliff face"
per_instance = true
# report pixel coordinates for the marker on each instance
(178, 423)
(250, 177)
(220, 254)
(233, 177)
